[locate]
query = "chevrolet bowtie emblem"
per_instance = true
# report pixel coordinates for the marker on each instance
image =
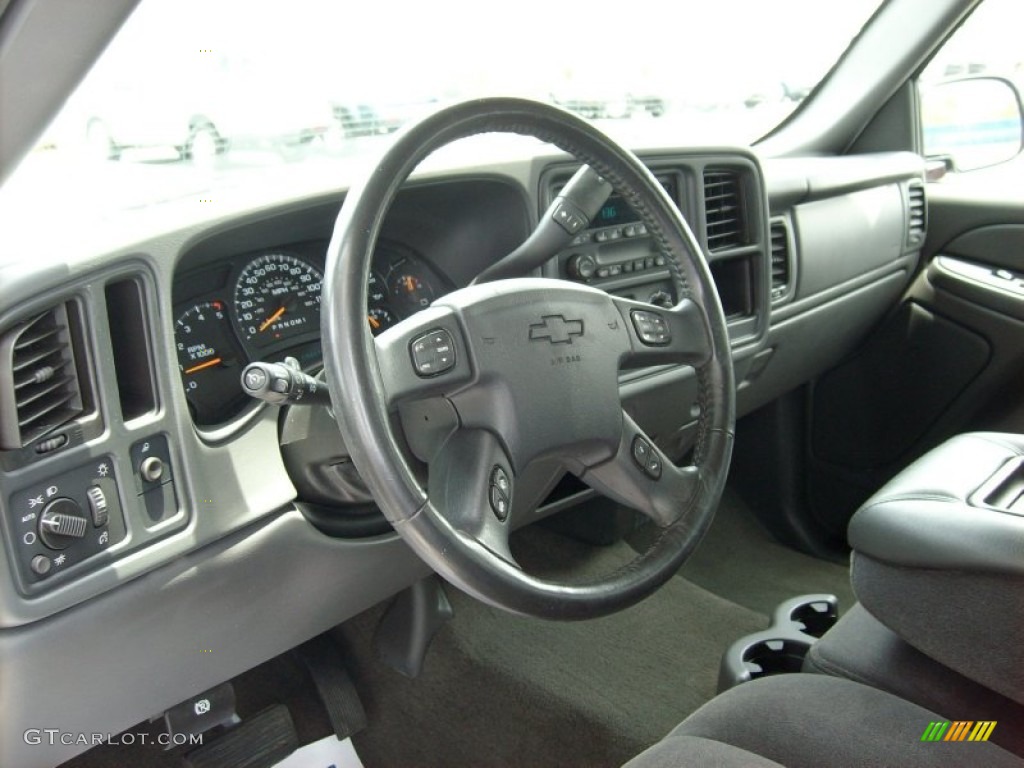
(556, 329)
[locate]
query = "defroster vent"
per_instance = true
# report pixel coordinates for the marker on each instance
(723, 209)
(39, 386)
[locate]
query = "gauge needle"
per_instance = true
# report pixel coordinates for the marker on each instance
(270, 320)
(373, 321)
(201, 366)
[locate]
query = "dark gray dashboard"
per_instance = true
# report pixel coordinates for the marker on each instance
(808, 255)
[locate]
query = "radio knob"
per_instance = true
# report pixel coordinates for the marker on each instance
(582, 266)
(661, 299)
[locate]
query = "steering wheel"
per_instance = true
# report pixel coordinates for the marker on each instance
(527, 370)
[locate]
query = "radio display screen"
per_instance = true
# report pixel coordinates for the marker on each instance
(617, 211)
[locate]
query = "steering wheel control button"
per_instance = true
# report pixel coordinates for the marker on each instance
(41, 565)
(499, 479)
(499, 504)
(433, 353)
(97, 505)
(641, 451)
(646, 457)
(653, 468)
(500, 492)
(651, 328)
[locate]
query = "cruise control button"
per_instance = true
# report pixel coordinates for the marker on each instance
(433, 353)
(641, 452)
(499, 479)
(653, 468)
(499, 503)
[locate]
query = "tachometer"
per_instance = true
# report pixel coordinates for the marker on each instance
(208, 360)
(277, 297)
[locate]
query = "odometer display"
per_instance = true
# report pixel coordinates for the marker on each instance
(277, 297)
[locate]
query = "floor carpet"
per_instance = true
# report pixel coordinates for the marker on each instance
(740, 561)
(501, 690)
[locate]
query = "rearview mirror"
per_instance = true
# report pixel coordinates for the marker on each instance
(972, 123)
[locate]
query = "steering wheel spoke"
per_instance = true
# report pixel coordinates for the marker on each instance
(657, 335)
(472, 483)
(641, 477)
(423, 356)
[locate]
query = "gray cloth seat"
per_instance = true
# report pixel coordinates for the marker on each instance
(814, 721)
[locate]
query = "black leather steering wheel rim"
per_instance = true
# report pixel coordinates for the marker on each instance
(360, 396)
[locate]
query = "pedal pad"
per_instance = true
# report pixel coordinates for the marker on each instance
(259, 742)
(322, 658)
(203, 712)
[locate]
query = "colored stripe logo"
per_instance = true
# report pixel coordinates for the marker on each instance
(959, 730)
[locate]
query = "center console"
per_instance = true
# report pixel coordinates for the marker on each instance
(938, 558)
(721, 198)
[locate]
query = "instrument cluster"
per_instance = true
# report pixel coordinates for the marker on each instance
(265, 306)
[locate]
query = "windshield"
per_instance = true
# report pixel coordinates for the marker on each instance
(200, 101)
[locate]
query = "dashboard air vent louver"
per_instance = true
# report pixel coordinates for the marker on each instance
(723, 209)
(39, 390)
(917, 214)
(781, 263)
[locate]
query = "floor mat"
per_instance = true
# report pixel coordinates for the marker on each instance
(741, 562)
(500, 690)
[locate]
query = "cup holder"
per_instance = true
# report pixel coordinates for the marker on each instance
(781, 648)
(812, 615)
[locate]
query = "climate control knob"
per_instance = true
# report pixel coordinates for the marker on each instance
(61, 523)
(582, 266)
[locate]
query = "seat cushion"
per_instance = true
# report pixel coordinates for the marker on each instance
(814, 721)
(939, 560)
(862, 649)
(678, 750)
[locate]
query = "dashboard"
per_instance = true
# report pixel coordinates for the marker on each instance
(191, 498)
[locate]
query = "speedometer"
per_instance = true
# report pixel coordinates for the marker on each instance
(277, 297)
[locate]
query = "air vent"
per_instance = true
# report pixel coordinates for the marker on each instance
(42, 391)
(917, 215)
(781, 263)
(723, 209)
